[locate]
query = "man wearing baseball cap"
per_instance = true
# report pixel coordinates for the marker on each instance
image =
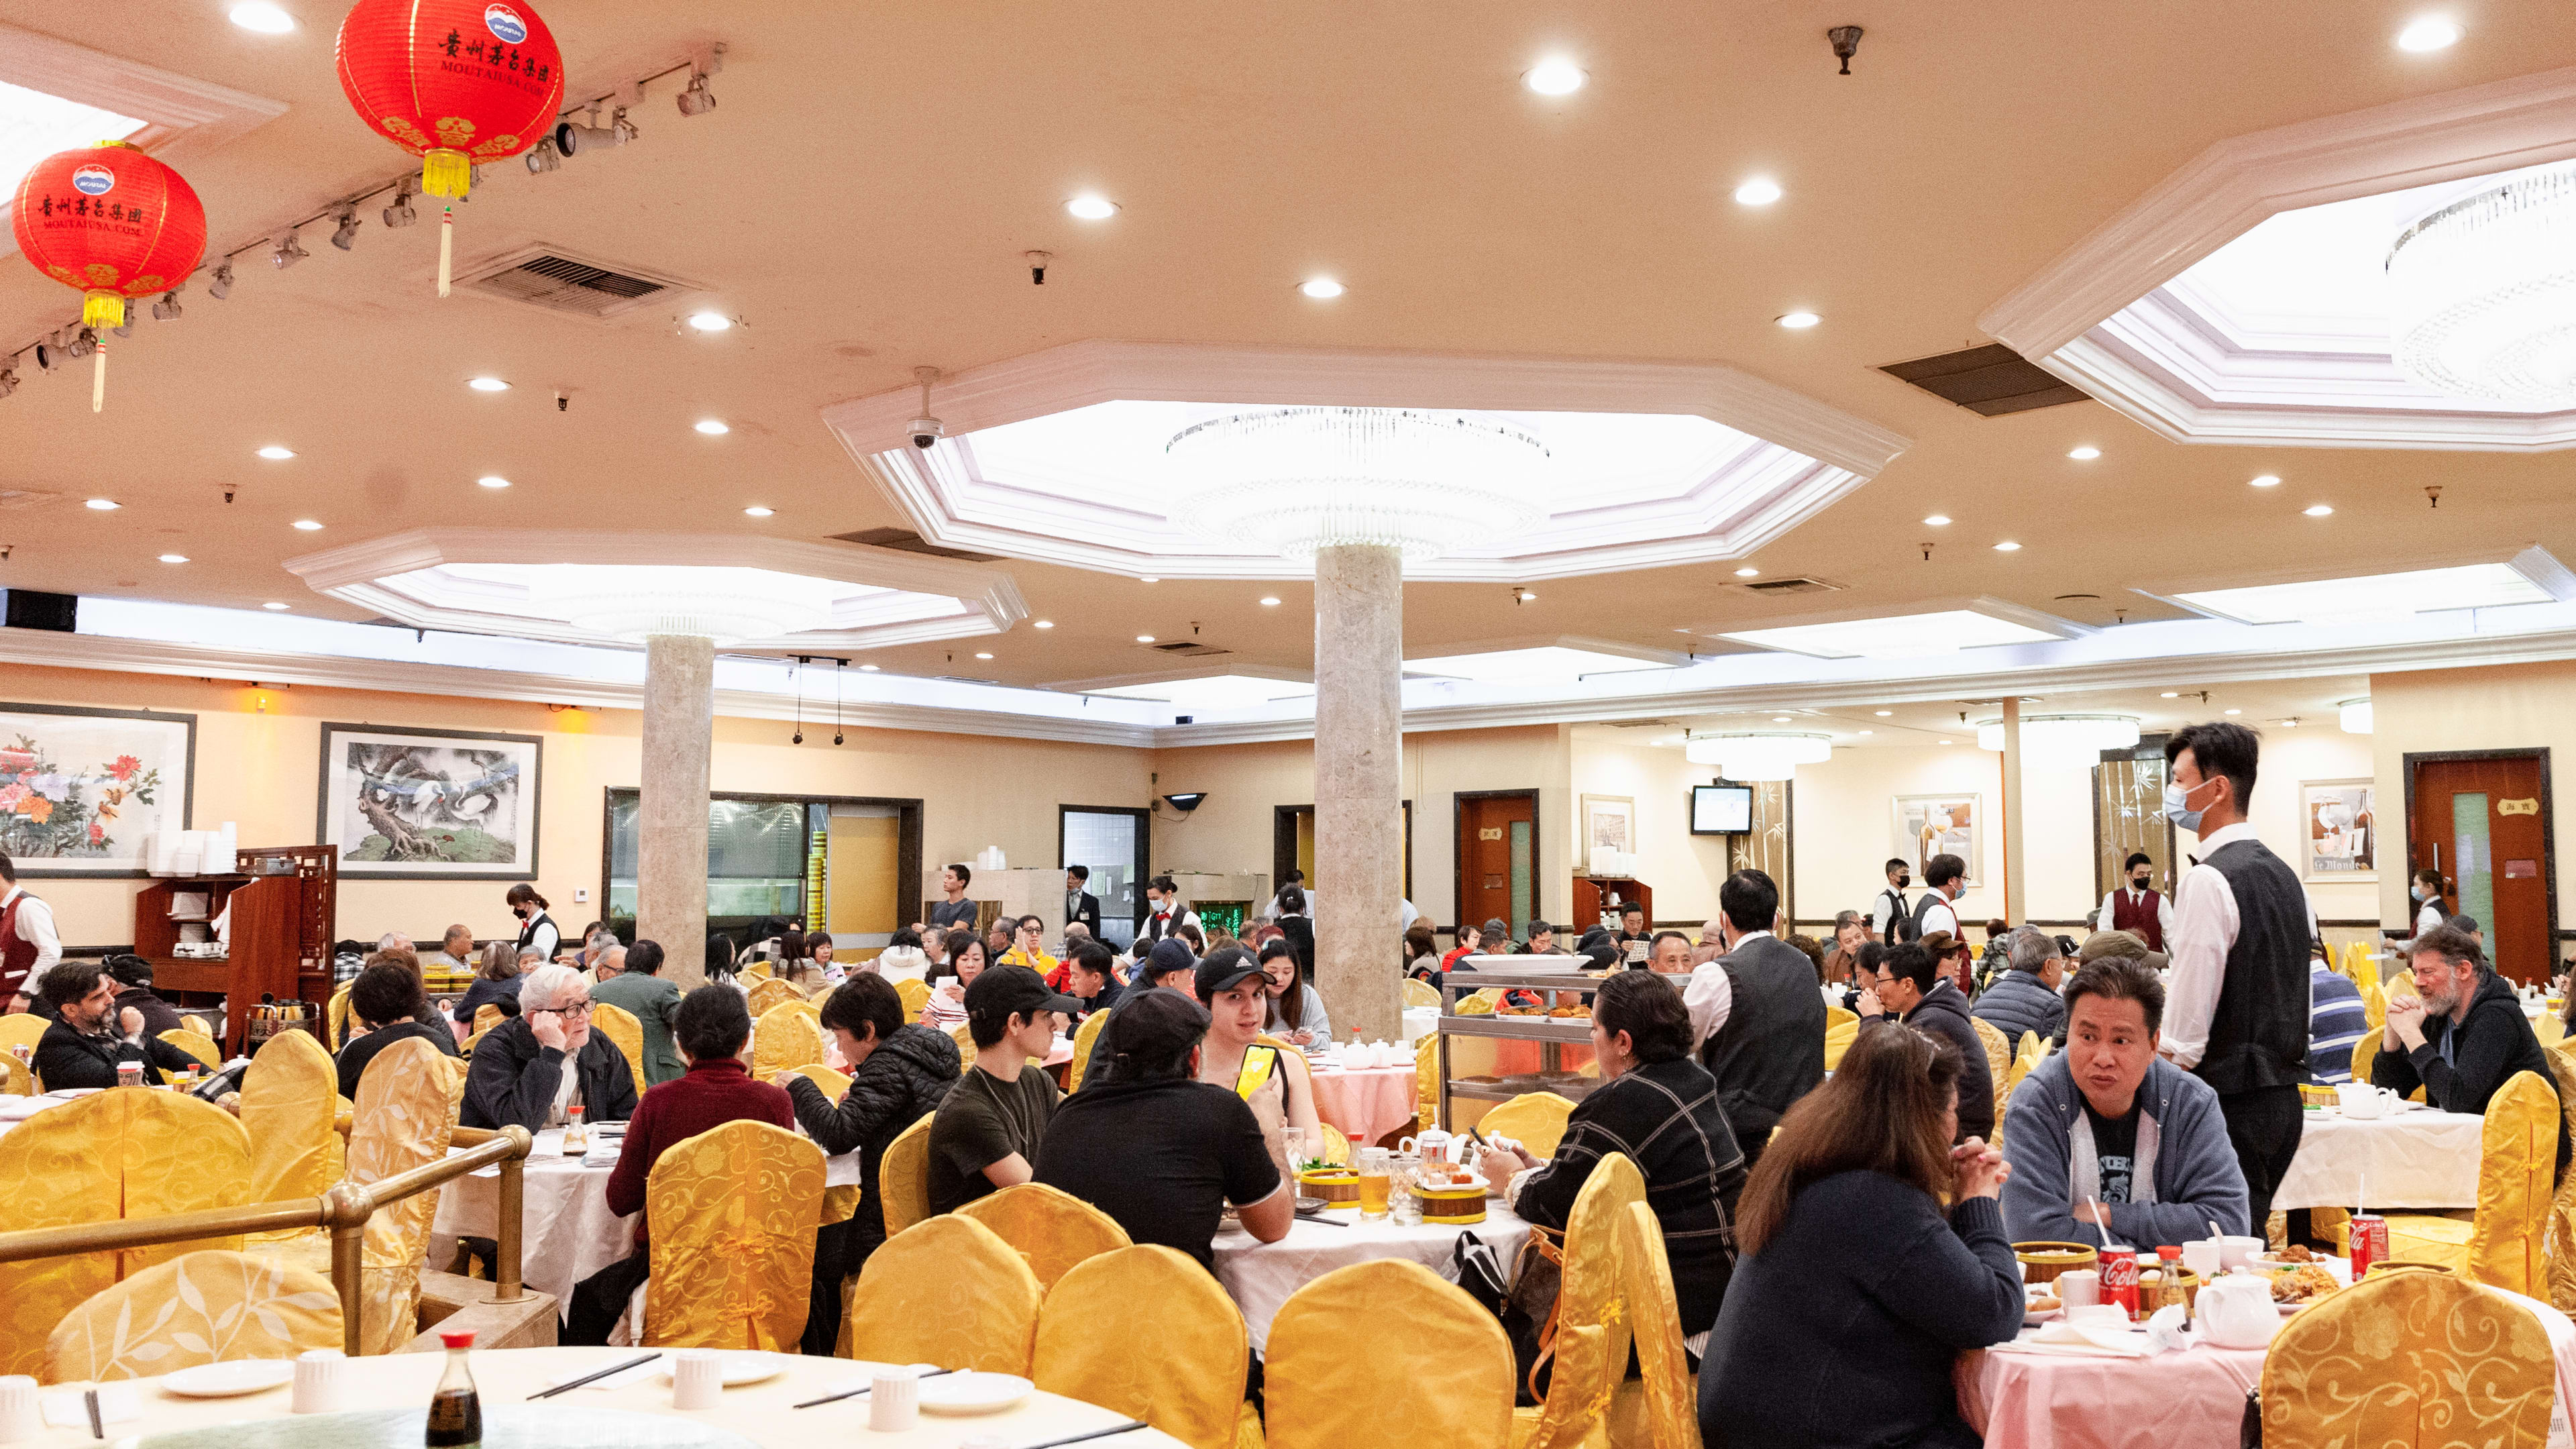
(1168, 964)
(987, 1130)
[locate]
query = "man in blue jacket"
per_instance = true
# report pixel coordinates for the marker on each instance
(2105, 1135)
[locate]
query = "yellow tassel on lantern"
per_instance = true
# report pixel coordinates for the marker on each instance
(102, 309)
(446, 173)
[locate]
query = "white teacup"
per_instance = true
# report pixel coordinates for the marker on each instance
(2362, 1101)
(2079, 1287)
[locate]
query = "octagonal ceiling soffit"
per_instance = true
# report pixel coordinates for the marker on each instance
(2247, 298)
(1059, 456)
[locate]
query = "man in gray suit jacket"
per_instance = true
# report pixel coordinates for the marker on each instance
(1757, 1014)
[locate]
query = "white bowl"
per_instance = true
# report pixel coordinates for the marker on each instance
(230, 1377)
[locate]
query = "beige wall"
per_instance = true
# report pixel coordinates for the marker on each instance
(2527, 706)
(1684, 870)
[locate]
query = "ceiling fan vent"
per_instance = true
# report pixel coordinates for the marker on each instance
(1185, 649)
(1798, 585)
(549, 277)
(1990, 380)
(906, 541)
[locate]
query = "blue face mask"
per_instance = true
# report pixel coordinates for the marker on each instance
(2176, 805)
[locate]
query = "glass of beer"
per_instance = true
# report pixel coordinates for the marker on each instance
(1375, 1178)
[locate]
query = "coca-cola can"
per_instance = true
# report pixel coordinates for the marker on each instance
(2120, 1278)
(2369, 1242)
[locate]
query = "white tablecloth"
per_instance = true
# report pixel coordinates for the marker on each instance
(1366, 1103)
(2419, 1158)
(1419, 1022)
(1260, 1276)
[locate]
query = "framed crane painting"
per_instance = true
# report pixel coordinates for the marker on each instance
(409, 804)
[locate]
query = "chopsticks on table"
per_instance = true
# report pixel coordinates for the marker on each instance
(854, 1393)
(97, 1426)
(1321, 1218)
(1129, 1427)
(615, 1368)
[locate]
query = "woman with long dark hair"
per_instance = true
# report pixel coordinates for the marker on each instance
(950, 978)
(1297, 1013)
(1846, 1256)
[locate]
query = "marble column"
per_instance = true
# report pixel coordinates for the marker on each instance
(2015, 883)
(1359, 796)
(671, 825)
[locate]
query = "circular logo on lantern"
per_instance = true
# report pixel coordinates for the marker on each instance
(504, 22)
(93, 181)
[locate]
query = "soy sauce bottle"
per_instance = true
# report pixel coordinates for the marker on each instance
(455, 1411)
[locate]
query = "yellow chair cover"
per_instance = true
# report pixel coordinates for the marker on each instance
(486, 1017)
(903, 1176)
(1536, 1119)
(290, 1103)
(2374, 1002)
(23, 1030)
(1838, 1016)
(1442, 1379)
(784, 1039)
(731, 1214)
(757, 971)
(195, 1023)
(110, 1155)
(1655, 1314)
(196, 1044)
(2550, 1029)
(1591, 1300)
(914, 994)
(1480, 1003)
(335, 1018)
(206, 1307)
(1196, 1397)
(1419, 993)
(1088, 1033)
(407, 1101)
(1426, 1078)
(949, 1292)
(1583, 1379)
(622, 1029)
(1838, 1040)
(965, 1039)
(1337, 1148)
(2365, 1052)
(1050, 1229)
(834, 1084)
(1999, 1058)
(769, 994)
(15, 1080)
(2505, 1245)
(2409, 1359)
(2562, 1206)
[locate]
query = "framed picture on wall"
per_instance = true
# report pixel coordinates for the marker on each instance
(407, 804)
(2342, 831)
(81, 789)
(1609, 823)
(1930, 825)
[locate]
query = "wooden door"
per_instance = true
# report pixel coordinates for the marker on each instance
(1498, 858)
(2482, 820)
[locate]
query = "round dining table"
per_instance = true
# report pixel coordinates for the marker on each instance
(2416, 1157)
(1259, 1276)
(763, 1413)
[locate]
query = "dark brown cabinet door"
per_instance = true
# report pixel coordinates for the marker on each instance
(2483, 822)
(1498, 859)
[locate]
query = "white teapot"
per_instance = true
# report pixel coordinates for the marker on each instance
(2235, 1311)
(2362, 1101)
(1432, 1146)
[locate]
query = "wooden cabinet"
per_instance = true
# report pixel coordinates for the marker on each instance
(1592, 894)
(282, 916)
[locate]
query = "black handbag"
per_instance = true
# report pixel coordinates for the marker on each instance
(2249, 1430)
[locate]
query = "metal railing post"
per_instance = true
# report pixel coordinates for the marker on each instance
(506, 1287)
(346, 1210)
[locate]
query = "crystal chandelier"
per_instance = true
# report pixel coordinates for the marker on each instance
(730, 606)
(1758, 757)
(1306, 478)
(2482, 294)
(2055, 740)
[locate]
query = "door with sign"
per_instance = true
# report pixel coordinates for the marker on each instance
(2481, 818)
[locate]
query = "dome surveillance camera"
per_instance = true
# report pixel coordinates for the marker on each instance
(926, 431)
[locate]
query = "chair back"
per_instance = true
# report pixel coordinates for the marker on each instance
(205, 1307)
(834, 1084)
(1419, 993)
(1838, 1015)
(1480, 1003)
(1083, 1037)
(2517, 1169)
(2365, 1052)
(196, 1044)
(1050, 1229)
(1592, 1321)
(99, 1158)
(2562, 1206)
(2409, 1358)
(23, 1030)
(1446, 1378)
(16, 1080)
(1196, 1397)
(1337, 1147)
(624, 1032)
(2550, 1028)
(785, 1038)
(486, 1017)
(903, 1176)
(756, 971)
(290, 1099)
(1999, 1059)
(1426, 1078)
(1537, 1119)
(407, 1101)
(195, 1023)
(914, 993)
(1655, 1316)
(2374, 1001)
(335, 1018)
(949, 1292)
(1838, 1040)
(731, 1215)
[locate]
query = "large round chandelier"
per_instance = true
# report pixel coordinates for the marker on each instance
(2063, 739)
(730, 606)
(1301, 479)
(2482, 294)
(1755, 758)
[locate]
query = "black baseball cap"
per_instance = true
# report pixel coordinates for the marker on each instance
(999, 992)
(1222, 969)
(1169, 954)
(1155, 1026)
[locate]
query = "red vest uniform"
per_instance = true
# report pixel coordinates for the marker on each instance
(2145, 919)
(17, 957)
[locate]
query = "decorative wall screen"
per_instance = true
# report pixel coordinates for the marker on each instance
(1770, 846)
(2129, 815)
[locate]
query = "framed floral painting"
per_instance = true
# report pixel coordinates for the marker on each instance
(81, 790)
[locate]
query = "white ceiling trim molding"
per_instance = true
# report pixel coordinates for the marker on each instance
(1986, 604)
(2532, 561)
(1176, 676)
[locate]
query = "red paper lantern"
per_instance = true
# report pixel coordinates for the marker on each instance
(114, 223)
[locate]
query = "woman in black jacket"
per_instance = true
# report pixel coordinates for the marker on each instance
(898, 1074)
(1848, 1259)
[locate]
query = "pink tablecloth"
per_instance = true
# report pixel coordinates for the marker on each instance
(2197, 1397)
(1366, 1104)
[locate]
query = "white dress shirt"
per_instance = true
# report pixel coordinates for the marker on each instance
(2164, 911)
(36, 927)
(1710, 994)
(1942, 916)
(2427, 917)
(1891, 904)
(2202, 933)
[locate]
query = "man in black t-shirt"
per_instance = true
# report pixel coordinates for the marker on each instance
(1157, 1150)
(2115, 1148)
(988, 1128)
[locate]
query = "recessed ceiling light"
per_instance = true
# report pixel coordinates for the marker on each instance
(2171, 694)
(487, 384)
(867, 669)
(1526, 597)
(710, 321)
(1798, 321)
(2430, 33)
(1092, 206)
(1760, 191)
(712, 426)
(1937, 520)
(2318, 510)
(103, 505)
(2008, 546)
(1149, 581)
(2289, 724)
(174, 558)
(1043, 624)
(1866, 732)
(275, 453)
(272, 604)
(2236, 711)
(1779, 719)
(2085, 454)
(756, 511)
(1322, 289)
(1555, 76)
(1883, 713)
(1748, 573)
(2267, 480)
(1270, 603)
(983, 656)
(493, 480)
(307, 525)
(1945, 742)
(263, 17)
(1144, 638)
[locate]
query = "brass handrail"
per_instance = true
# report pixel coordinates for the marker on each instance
(344, 1210)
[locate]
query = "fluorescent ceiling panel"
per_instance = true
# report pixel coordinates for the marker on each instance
(501, 590)
(2372, 598)
(34, 125)
(1907, 636)
(1214, 691)
(1551, 661)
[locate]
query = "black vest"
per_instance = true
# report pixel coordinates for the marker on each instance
(1771, 1051)
(2259, 1036)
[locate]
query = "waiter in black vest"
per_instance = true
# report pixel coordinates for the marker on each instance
(2237, 1008)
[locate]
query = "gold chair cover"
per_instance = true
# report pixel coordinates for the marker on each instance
(948, 1292)
(1426, 1078)
(1838, 1016)
(290, 1103)
(1537, 1119)
(731, 1214)
(24, 1030)
(15, 1080)
(1582, 1358)
(903, 1176)
(1050, 1229)
(407, 1101)
(770, 993)
(1999, 1059)
(2505, 1245)
(965, 1039)
(335, 1018)
(1591, 1314)
(914, 994)
(2562, 1205)
(1419, 993)
(784, 1039)
(756, 971)
(2550, 1029)
(834, 1084)
(486, 1017)
(2409, 1359)
(206, 1307)
(1480, 1003)
(1441, 1380)
(838, 1202)
(1655, 1314)
(110, 1155)
(2365, 1052)
(196, 1044)
(1838, 1040)
(195, 1023)
(622, 1029)
(1196, 1397)
(2374, 1003)
(1088, 1033)
(1337, 1147)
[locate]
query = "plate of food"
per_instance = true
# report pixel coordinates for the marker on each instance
(2300, 1285)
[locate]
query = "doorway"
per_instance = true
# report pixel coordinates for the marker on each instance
(1497, 858)
(2481, 818)
(1292, 847)
(1115, 843)
(832, 863)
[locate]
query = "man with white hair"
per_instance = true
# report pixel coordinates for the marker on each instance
(2024, 998)
(606, 964)
(533, 1067)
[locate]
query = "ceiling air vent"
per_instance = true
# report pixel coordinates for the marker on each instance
(1800, 585)
(1186, 649)
(1991, 380)
(14, 498)
(907, 541)
(552, 278)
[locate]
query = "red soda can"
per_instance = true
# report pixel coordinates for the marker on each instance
(2369, 1242)
(2119, 1268)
